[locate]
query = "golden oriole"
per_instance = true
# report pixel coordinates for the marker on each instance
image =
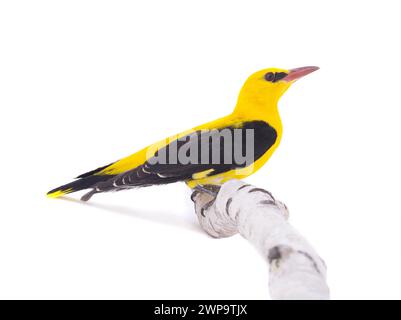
(255, 115)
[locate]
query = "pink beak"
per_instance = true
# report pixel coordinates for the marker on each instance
(298, 73)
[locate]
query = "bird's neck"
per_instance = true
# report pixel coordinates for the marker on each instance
(258, 106)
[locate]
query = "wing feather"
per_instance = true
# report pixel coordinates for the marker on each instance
(153, 172)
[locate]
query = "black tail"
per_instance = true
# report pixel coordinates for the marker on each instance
(77, 185)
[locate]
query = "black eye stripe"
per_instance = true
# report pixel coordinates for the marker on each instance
(274, 77)
(279, 75)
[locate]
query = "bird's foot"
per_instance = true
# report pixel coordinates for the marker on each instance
(210, 189)
(205, 196)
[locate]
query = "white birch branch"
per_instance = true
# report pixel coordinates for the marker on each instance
(296, 270)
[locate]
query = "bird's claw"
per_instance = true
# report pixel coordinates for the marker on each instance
(210, 189)
(204, 197)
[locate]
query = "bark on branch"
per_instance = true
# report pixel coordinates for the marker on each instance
(296, 270)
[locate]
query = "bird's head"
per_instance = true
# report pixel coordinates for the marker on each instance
(266, 86)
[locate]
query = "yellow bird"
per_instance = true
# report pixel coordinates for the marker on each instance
(208, 155)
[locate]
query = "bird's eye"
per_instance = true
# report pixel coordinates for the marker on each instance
(269, 76)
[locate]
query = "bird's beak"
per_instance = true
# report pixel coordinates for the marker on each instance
(297, 73)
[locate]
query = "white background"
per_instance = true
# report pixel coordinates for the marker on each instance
(83, 83)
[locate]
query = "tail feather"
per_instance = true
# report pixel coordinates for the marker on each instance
(91, 173)
(77, 185)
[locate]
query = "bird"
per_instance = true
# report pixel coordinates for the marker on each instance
(169, 160)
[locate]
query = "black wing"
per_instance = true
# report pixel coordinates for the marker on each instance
(156, 171)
